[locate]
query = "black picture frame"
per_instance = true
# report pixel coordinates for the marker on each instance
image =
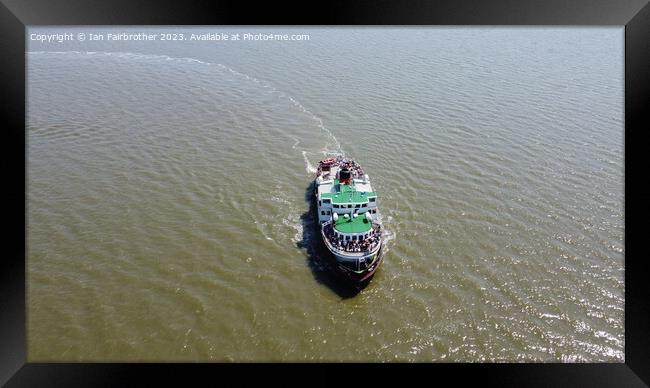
(15, 15)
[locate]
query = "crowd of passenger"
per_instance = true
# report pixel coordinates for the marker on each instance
(354, 167)
(351, 165)
(365, 245)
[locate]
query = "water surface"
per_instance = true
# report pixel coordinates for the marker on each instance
(168, 182)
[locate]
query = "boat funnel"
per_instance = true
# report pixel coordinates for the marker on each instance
(345, 175)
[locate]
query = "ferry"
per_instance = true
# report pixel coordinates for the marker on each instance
(348, 217)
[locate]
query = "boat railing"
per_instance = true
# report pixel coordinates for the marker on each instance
(334, 243)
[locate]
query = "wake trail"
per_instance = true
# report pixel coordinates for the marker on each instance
(333, 144)
(309, 167)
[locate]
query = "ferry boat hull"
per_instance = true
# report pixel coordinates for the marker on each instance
(349, 222)
(345, 263)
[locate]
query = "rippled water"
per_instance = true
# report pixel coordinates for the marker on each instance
(168, 185)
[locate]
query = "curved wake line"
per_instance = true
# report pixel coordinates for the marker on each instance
(320, 124)
(309, 167)
(265, 84)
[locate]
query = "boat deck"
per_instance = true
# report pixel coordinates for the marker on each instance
(357, 236)
(359, 224)
(346, 193)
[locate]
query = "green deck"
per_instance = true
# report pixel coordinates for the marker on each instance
(353, 225)
(347, 194)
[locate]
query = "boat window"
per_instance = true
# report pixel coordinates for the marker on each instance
(349, 206)
(328, 212)
(357, 206)
(347, 237)
(327, 201)
(364, 205)
(322, 212)
(319, 203)
(372, 199)
(336, 206)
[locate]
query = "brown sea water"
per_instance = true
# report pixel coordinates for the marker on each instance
(168, 184)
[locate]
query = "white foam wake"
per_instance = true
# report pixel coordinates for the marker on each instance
(309, 167)
(320, 124)
(333, 144)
